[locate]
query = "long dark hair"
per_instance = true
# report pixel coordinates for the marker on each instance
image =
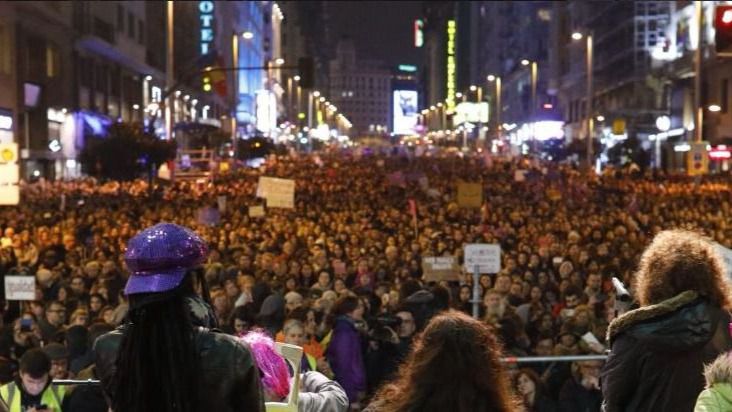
(157, 366)
(470, 379)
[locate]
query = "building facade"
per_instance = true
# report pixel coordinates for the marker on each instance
(361, 89)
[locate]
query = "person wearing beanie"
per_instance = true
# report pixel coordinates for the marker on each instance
(59, 356)
(32, 391)
(165, 358)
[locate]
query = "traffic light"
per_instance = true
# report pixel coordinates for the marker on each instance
(306, 69)
(723, 30)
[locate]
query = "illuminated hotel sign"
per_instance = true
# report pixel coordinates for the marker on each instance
(451, 68)
(206, 8)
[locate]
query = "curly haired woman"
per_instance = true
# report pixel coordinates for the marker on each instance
(658, 351)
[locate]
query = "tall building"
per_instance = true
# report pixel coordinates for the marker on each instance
(361, 89)
(509, 34)
(437, 16)
(624, 36)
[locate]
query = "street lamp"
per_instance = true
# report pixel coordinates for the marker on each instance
(491, 78)
(316, 94)
(296, 78)
(714, 108)
(600, 118)
(590, 94)
(247, 35)
(525, 62)
(279, 61)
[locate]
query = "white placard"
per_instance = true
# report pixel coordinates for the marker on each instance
(487, 257)
(278, 192)
(20, 288)
(9, 194)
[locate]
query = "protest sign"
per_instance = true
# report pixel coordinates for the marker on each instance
(20, 288)
(470, 195)
(278, 192)
(486, 257)
(256, 211)
(439, 268)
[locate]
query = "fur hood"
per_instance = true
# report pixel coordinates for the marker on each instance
(640, 315)
(719, 371)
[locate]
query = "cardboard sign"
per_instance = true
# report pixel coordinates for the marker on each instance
(487, 257)
(439, 268)
(256, 211)
(20, 288)
(9, 174)
(470, 195)
(278, 192)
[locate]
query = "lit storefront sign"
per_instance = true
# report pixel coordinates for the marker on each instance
(451, 65)
(206, 8)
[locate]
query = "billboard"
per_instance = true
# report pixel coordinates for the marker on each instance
(405, 106)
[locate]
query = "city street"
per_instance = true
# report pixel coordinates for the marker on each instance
(365, 206)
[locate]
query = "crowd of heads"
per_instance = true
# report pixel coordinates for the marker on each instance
(352, 245)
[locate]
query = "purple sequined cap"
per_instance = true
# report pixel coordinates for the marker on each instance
(159, 256)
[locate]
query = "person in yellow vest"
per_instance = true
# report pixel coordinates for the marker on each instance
(32, 390)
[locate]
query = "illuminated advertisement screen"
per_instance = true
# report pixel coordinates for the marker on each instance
(405, 111)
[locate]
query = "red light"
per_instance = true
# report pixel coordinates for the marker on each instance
(548, 105)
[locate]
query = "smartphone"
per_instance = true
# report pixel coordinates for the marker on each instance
(25, 325)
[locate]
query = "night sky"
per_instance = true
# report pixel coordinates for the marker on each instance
(380, 29)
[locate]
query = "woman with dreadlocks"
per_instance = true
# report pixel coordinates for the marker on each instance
(165, 358)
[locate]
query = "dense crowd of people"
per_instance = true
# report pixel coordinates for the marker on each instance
(341, 273)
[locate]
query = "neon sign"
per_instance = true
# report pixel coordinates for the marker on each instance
(451, 66)
(207, 32)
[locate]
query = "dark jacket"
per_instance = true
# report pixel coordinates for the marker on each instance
(658, 353)
(229, 378)
(576, 398)
(346, 358)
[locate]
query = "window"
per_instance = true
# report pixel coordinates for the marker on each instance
(51, 61)
(5, 55)
(120, 18)
(140, 32)
(131, 25)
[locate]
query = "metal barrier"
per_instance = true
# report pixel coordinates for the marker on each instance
(509, 359)
(538, 359)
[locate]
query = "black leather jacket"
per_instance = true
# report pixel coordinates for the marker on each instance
(229, 380)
